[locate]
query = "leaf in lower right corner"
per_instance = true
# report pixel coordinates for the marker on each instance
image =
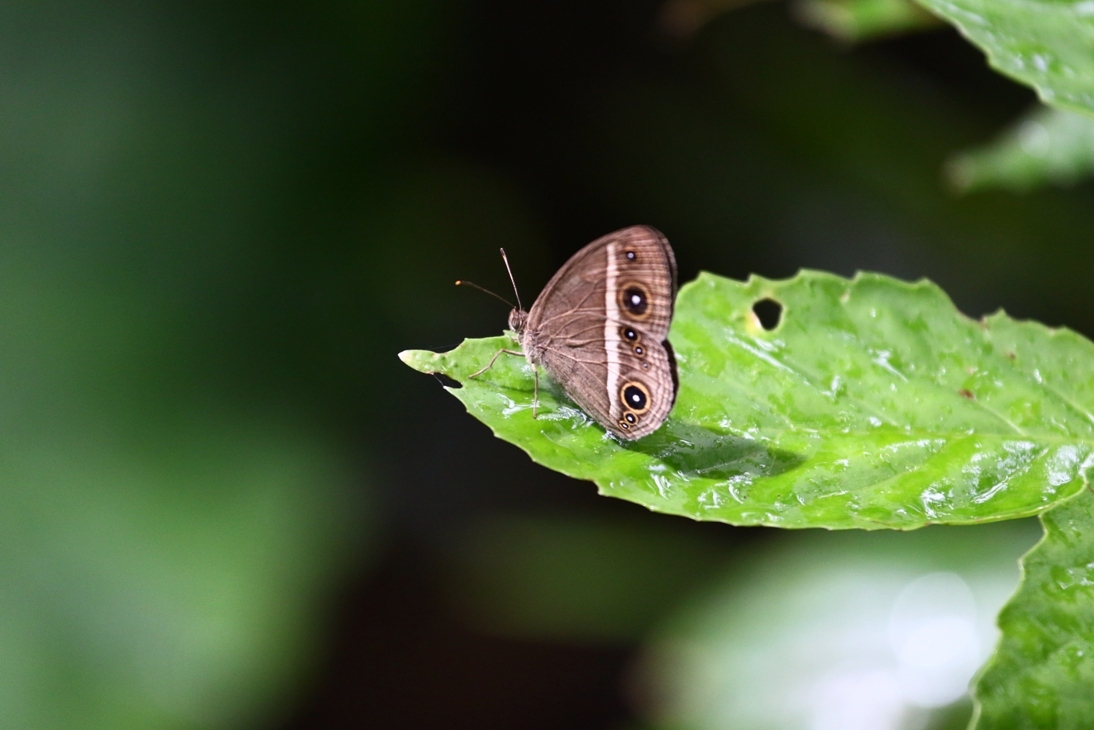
(1042, 675)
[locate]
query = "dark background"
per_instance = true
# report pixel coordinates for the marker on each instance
(216, 214)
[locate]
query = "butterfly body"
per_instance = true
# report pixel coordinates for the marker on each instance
(600, 330)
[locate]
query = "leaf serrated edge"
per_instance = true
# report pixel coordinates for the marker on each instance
(859, 276)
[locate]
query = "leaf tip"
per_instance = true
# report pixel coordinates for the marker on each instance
(423, 361)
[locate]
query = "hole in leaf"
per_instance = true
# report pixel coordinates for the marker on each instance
(769, 312)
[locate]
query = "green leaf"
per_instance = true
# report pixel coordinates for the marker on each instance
(1041, 43)
(1043, 669)
(848, 630)
(860, 20)
(170, 586)
(1046, 146)
(873, 404)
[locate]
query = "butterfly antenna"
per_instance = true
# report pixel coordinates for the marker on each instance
(473, 285)
(511, 279)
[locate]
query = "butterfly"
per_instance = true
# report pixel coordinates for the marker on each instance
(600, 330)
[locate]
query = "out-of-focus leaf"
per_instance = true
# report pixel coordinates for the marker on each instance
(749, 187)
(859, 20)
(851, 20)
(155, 584)
(173, 508)
(872, 404)
(852, 631)
(1043, 669)
(594, 580)
(1042, 43)
(1046, 146)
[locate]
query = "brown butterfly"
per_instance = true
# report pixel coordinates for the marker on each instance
(600, 327)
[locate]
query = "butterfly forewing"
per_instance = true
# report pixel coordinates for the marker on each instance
(599, 329)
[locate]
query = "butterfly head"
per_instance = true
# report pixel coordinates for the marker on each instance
(518, 318)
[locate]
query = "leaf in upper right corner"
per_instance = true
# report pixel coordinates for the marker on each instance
(1045, 44)
(1042, 674)
(1046, 146)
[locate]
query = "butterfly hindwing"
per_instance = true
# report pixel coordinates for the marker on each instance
(599, 329)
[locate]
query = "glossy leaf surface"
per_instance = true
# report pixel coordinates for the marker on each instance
(1041, 43)
(1043, 669)
(872, 404)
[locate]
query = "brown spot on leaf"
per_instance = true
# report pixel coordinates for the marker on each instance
(966, 393)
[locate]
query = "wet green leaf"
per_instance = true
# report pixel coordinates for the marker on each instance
(1046, 146)
(860, 20)
(873, 404)
(1043, 669)
(1041, 43)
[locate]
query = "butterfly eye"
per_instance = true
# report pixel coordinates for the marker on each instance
(629, 334)
(635, 396)
(631, 256)
(639, 351)
(630, 418)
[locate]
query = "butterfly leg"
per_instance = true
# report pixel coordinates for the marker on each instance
(490, 364)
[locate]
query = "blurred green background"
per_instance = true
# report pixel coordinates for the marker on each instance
(226, 504)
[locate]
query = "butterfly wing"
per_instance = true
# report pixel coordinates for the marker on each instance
(600, 330)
